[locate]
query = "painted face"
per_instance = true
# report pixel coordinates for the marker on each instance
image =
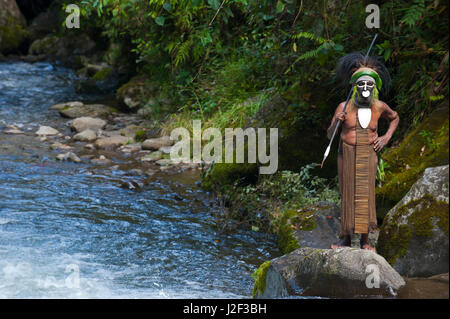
(364, 91)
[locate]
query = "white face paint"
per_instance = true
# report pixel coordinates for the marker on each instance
(365, 87)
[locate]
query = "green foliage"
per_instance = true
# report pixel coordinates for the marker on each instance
(381, 171)
(260, 204)
(259, 276)
(413, 13)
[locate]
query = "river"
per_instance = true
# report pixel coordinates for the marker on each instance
(71, 231)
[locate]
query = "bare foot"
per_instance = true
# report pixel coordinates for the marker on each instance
(368, 247)
(364, 242)
(345, 242)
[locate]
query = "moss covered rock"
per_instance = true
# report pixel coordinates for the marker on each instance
(12, 26)
(426, 146)
(136, 93)
(414, 234)
(327, 273)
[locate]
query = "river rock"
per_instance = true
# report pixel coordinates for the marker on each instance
(87, 135)
(131, 130)
(111, 142)
(12, 26)
(165, 149)
(69, 156)
(46, 131)
(71, 104)
(12, 129)
(101, 160)
(165, 162)
(155, 144)
(414, 233)
(89, 146)
(341, 273)
(60, 146)
(152, 157)
(130, 148)
(78, 109)
(81, 124)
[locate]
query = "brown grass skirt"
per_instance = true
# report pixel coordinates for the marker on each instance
(357, 217)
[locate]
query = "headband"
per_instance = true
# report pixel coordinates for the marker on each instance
(366, 71)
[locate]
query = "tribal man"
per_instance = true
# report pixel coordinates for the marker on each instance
(359, 144)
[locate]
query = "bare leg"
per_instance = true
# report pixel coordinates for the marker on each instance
(364, 242)
(346, 241)
(339, 165)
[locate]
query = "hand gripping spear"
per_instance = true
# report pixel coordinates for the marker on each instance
(327, 151)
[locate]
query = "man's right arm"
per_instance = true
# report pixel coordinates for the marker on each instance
(338, 115)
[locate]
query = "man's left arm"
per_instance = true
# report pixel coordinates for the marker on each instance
(393, 118)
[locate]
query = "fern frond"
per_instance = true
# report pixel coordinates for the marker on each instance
(310, 36)
(414, 13)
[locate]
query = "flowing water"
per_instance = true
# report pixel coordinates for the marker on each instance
(70, 231)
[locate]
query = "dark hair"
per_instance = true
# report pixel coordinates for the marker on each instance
(351, 62)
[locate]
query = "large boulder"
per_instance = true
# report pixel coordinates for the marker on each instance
(45, 23)
(140, 93)
(12, 26)
(96, 78)
(425, 146)
(414, 234)
(68, 49)
(135, 94)
(342, 273)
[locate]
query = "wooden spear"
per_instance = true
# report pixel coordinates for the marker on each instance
(327, 151)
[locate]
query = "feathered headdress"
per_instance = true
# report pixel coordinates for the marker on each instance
(354, 65)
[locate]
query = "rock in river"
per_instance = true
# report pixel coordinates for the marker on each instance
(87, 135)
(78, 109)
(111, 142)
(83, 123)
(152, 157)
(46, 131)
(69, 156)
(345, 273)
(154, 144)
